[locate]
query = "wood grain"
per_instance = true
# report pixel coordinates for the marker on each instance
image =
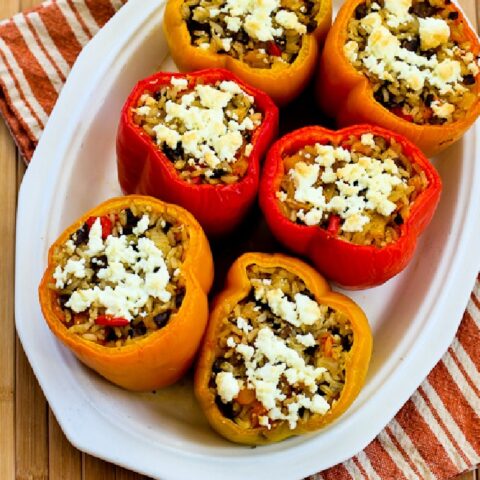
(32, 445)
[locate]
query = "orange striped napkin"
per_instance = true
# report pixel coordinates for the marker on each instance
(436, 435)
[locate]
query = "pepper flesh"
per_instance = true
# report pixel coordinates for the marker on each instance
(350, 265)
(346, 94)
(237, 288)
(282, 83)
(158, 359)
(143, 168)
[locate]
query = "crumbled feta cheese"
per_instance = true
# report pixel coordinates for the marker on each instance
(442, 110)
(290, 21)
(351, 50)
(306, 340)
(95, 242)
(133, 275)
(243, 324)
(227, 386)
(142, 225)
(181, 83)
(373, 177)
(433, 32)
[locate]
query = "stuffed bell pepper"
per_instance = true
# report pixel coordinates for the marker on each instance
(283, 355)
(411, 66)
(125, 290)
(196, 140)
(353, 201)
(272, 45)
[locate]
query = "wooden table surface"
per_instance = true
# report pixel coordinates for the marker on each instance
(32, 446)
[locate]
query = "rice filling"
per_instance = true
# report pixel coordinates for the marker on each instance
(413, 53)
(360, 190)
(204, 130)
(281, 355)
(122, 269)
(261, 34)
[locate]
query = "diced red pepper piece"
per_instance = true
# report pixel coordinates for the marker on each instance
(106, 224)
(398, 111)
(333, 224)
(273, 49)
(111, 321)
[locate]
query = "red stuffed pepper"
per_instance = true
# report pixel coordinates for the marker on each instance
(353, 201)
(196, 140)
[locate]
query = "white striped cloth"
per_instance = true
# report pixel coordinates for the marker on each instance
(436, 435)
(37, 50)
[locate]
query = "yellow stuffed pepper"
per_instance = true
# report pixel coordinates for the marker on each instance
(283, 354)
(125, 289)
(271, 45)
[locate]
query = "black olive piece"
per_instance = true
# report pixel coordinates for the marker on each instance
(309, 294)
(81, 235)
(140, 329)
(335, 331)
(398, 219)
(309, 5)
(361, 11)
(225, 408)
(423, 10)
(251, 297)
(158, 95)
(217, 365)
(378, 95)
(437, 121)
(218, 172)
(162, 318)
(452, 15)
(311, 26)
(100, 262)
(428, 53)
(311, 350)
(131, 221)
(346, 344)
(167, 227)
(112, 337)
(179, 297)
(429, 99)
(173, 153)
(241, 37)
(469, 79)
(194, 26)
(63, 299)
(411, 44)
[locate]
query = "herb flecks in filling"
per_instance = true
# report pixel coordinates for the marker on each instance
(281, 355)
(119, 276)
(360, 190)
(261, 34)
(204, 130)
(414, 55)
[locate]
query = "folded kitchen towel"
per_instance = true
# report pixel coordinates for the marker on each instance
(436, 435)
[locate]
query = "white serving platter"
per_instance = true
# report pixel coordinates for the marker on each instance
(164, 435)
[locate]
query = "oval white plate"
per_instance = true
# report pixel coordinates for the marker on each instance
(414, 316)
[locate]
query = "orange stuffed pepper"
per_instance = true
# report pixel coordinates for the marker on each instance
(272, 45)
(126, 290)
(283, 355)
(410, 66)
